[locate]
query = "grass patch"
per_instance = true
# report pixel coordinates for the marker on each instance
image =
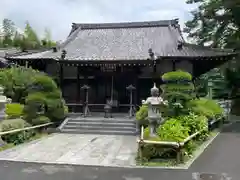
(160, 163)
(6, 146)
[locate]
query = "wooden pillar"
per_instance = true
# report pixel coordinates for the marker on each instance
(136, 96)
(26, 64)
(61, 78)
(78, 84)
(173, 65)
(85, 82)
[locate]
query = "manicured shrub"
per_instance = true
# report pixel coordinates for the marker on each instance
(40, 120)
(55, 109)
(45, 84)
(206, 107)
(35, 106)
(177, 75)
(40, 104)
(18, 137)
(14, 110)
(178, 90)
(37, 91)
(17, 123)
(16, 82)
(215, 107)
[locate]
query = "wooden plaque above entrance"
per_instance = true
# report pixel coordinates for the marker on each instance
(108, 67)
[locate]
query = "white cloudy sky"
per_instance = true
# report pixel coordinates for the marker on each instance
(58, 15)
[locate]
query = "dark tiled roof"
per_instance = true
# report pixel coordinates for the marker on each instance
(125, 41)
(4, 52)
(28, 54)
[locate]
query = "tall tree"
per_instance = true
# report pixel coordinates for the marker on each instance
(31, 39)
(8, 27)
(215, 21)
(8, 31)
(17, 39)
(218, 22)
(47, 40)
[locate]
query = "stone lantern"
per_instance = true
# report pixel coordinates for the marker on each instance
(154, 115)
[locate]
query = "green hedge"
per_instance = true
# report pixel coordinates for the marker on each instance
(19, 137)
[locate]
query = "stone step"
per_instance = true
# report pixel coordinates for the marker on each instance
(93, 123)
(100, 128)
(102, 132)
(99, 125)
(110, 120)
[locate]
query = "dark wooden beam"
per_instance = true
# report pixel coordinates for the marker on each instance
(78, 83)
(61, 78)
(173, 65)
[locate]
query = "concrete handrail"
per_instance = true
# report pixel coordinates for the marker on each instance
(25, 129)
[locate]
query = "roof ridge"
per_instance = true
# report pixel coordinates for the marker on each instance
(138, 24)
(70, 38)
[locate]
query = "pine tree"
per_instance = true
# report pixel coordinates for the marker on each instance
(219, 85)
(215, 21)
(47, 40)
(31, 39)
(8, 31)
(17, 40)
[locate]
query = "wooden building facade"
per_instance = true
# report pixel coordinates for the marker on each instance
(109, 57)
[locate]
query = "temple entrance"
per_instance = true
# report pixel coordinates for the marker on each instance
(113, 87)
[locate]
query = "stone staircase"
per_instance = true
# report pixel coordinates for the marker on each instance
(99, 125)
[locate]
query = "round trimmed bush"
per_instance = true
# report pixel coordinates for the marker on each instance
(178, 90)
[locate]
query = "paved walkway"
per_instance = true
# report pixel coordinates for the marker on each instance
(222, 156)
(77, 149)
